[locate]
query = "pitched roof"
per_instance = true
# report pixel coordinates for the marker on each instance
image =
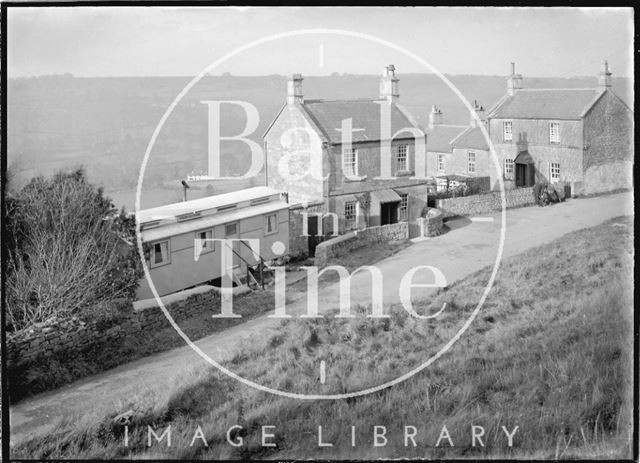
(439, 137)
(471, 137)
(365, 119)
(552, 103)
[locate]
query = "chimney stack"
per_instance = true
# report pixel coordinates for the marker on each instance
(389, 84)
(604, 78)
(514, 83)
(294, 89)
(479, 110)
(435, 117)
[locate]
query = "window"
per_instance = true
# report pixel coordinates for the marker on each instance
(350, 161)
(507, 130)
(554, 175)
(401, 158)
(441, 185)
(471, 164)
(403, 209)
(203, 243)
(350, 215)
(270, 224)
(508, 168)
(554, 132)
(230, 229)
(441, 163)
(160, 254)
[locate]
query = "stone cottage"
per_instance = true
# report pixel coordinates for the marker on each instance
(361, 161)
(582, 136)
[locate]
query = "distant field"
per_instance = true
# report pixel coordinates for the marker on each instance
(550, 352)
(105, 124)
(153, 197)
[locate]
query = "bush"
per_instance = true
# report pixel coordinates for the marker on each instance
(68, 249)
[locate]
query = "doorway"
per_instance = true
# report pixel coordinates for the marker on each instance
(389, 213)
(313, 239)
(525, 175)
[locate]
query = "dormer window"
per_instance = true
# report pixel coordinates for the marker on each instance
(554, 132)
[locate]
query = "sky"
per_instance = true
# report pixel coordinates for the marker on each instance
(182, 41)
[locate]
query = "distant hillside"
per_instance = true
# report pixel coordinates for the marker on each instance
(106, 123)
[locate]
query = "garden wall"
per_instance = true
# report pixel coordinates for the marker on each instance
(485, 203)
(357, 239)
(431, 225)
(64, 339)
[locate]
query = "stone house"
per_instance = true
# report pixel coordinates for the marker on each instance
(457, 152)
(359, 161)
(582, 136)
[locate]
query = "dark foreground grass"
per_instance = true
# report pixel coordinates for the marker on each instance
(550, 352)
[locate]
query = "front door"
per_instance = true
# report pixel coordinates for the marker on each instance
(312, 230)
(389, 213)
(521, 175)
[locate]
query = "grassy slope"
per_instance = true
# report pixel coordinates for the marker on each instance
(551, 352)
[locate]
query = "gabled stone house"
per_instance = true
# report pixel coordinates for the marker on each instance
(377, 177)
(580, 136)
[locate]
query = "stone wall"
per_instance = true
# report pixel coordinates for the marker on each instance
(431, 225)
(344, 244)
(298, 241)
(483, 204)
(66, 337)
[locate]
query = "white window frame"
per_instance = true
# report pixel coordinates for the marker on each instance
(471, 164)
(554, 135)
(350, 162)
(347, 222)
(266, 224)
(509, 167)
(203, 246)
(402, 162)
(226, 232)
(403, 207)
(441, 163)
(152, 258)
(507, 135)
(554, 172)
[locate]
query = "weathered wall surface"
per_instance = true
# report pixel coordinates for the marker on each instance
(432, 224)
(532, 135)
(298, 241)
(293, 145)
(608, 133)
(66, 337)
(485, 203)
(344, 244)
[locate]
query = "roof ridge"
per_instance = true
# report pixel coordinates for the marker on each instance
(559, 88)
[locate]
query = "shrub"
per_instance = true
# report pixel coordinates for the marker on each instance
(68, 248)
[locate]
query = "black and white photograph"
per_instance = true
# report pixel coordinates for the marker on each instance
(317, 232)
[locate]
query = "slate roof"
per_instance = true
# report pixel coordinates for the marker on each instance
(546, 104)
(365, 118)
(471, 137)
(439, 137)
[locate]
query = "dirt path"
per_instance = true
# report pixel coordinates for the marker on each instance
(467, 247)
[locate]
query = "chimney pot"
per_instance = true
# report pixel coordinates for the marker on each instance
(389, 84)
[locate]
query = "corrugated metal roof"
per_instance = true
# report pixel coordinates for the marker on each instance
(178, 228)
(210, 202)
(364, 115)
(439, 137)
(471, 137)
(551, 103)
(385, 196)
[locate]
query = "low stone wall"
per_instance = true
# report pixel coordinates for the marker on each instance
(357, 239)
(66, 337)
(485, 203)
(432, 224)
